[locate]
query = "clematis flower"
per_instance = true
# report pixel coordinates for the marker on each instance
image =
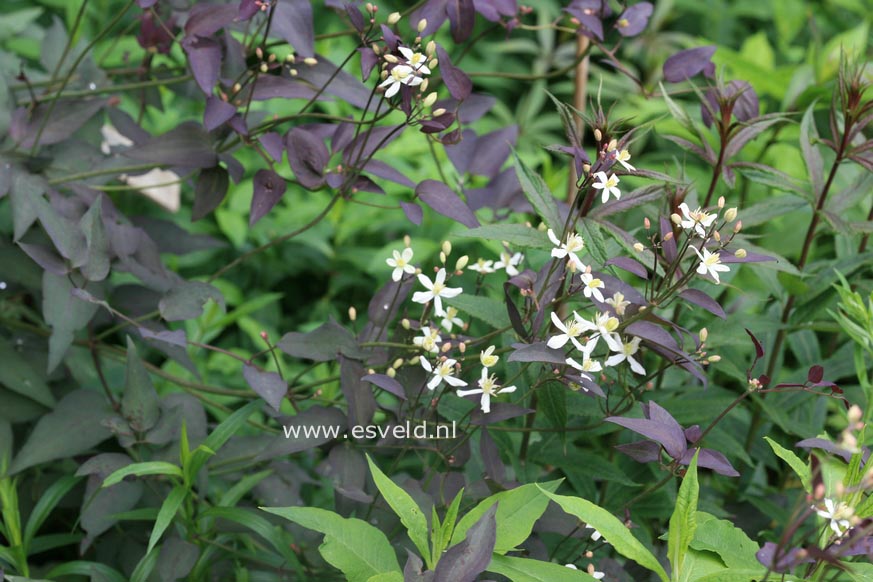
(626, 354)
(595, 535)
(592, 287)
(487, 357)
(509, 262)
(436, 290)
(488, 388)
(605, 325)
(710, 263)
(401, 263)
(608, 185)
(416, 61)
(444, 372)
(482, 267)
(695, 219)
(622, 158)
(574, 244)
(428, 339)
(837, 514)
(451, 319)
(570, 331)
(400, 75)
(587, 365)
(618, 303)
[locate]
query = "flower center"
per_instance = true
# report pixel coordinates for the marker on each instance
(489, 385)
(594, 283)
(713, 259)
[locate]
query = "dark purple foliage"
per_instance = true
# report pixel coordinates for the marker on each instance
(292, 21)
(217, 112)
(204, 57)
(307, 156)
(464, 562)
(155, 35)
(634, 20)
(462, 17)
(738, 97)
(456, 80)
(442, 199)
(268, 190)
(688, 63)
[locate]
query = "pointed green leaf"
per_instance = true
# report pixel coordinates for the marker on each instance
(168, 511)
(795, 462)
(539, 195)
(142, 469)
(731, 543)
(526, 570)
(683, 522)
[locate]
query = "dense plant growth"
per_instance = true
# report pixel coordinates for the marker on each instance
(443, 291)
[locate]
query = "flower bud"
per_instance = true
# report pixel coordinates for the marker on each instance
(290, 58)
(369, 6)
(432, 64)
(612, 145)
(447, 247)
(462, 262)
(598, 135)
(353, 313)
(430, 99)
(714, 359)
(430, 49)
(439, 112)
(647, 223)
(390, 58)
(311, 61)
(391, 372)
(738, 226)
(397, 363)
(704, 334)
(730, 214)
(264, 68)
(854, 414)
(237, 87)
(394, 18)
(442, 257)
(741, 254)
(668, 237)
(675, 218)
(446, 347)
(424, 85)
(720, 202)
(376, 48)
(638, 247)
(422, 24)
(717, 236)
(293, 72)
(260, 53)
(406, 240)
(415, 360)
(404, 323)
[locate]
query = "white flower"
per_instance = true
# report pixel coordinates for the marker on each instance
(482, 267)
(571, 566)
(162, 186)
(571, 330)
(574, 244)
(626, 353)
(487, 357)
(444, 372)
(594, 573)
(400, 75)
(111, 138)
(2, 285)
(622, 158)
(592, 286)
(488, 387)
(509, 263)
(587, 365)
(416, 61)
(451, 319)
(837, 514)
(596, 535)
(710, 263)
(618, 303)
(608, 185)
(605, 325)
(401, 264)
(428, 339)
(436, 290)
(696, 219)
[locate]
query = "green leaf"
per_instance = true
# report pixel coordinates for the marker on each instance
(141, 469)
(47, 502)
(612, 529)
(17, 375)
(809, 147)
(232, 496)
(539, 195)
(96, 254)
(518, 235)
(517, 511)
(219, 436)
(553, 401)
(186, 301)
(731, 543)
(683, 522)
(93, 570)
(168, 511)
(488, 310)
(525, 570)
(799, 467)
(258, 524)
(353, 546)
(406, 508)
(590, 231)
(145, 567)
(139, 405)
(78, 417)
(387, 577)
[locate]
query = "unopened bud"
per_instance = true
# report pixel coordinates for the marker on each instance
(353, 313)
(854, 414)
(432, 64)
(598, 135)
(397, 363)
(236, 87)
(638, 247)
(439, 112)
(730, 214)
(430, 99)
(290, 58)
(376, 48)
(740, 254)
(390, 58)
(422, 24)
(391, 372)
(704, 333)
(442, 257)
(447, 247)
(462, 263)
(260, 53)
(430, 49)
(394, 18)
(462, 347)
(264, 335)
(423, 86)
(369, 6)
(675, 218)
(714, 359)
(264, 68)
(721, 202)
(612, 145)
(717, 236)
(271, 58)
(293, 72)
(406, 240)
(446, 347)
(404, 323)
(738, 226)
(647, 223)
(668, 237)
(311, 61)
(415, 360)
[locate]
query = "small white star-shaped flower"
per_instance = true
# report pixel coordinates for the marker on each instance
(482, 267)
(574, 244)
(626, 353)
(696, 219)
(592, 286)
(710, 263)
(400, 75)
(451, 319)
(622, 158)
(401, 263)
(837, 514)
(443, 372)
(416, 61)
(608, 185)
(488, 387)
(428, 339)
(618, 303)
(587, 365)
(436, 290)
(487, 357)
(509, 262)
(605, 325)
(570, 331)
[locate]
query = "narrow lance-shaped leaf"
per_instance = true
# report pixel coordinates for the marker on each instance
(168, 511)
(139, 405)
(539, 195)
(683, 522)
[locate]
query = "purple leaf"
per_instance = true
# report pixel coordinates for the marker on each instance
(788, 557)
(67, 117)
(46, 258)
(187, 145)
(204, 56)
(537, 352)
(369, 142)
(688, 63)
(146, 3)
(207, 19)
(156, 36)
(492, 150)
(268, 385)
(302, 432)
(413, 212)
(355, 17)
(209, 191)
(292, 20)
(383, 170)
(630, 265)
(186, 300)
(457, 82)
(589, 14)
(369, 59)
(217, 112)
(462, 17)
(703, 300)
(386, 383)
(759, 350)
(268, 190)
(711, 460)
(307, 156)
(322, 344)
(442, 199)
(641, 451)
(274, 145)
(359, 395)
(247, 9)
(464, 562)
(653, 334)
(634, 20)
(729, 258)
(276, 87)
(815, 374)
(745, 99)
(500, 411)
(660, 427)
(493, 9)
(825, 445)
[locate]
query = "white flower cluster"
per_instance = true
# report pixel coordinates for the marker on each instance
(702, 224)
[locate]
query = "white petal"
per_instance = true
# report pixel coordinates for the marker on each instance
(434, 382)
(615, 360)
(558, 341)
(485, 402)
(553, 238)
(406, 52)
(422, 297)
(450, 292)
(469, 392)
(636, 367)
(507, 390)
(451, 380)
(425, 281)
(393, 89)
